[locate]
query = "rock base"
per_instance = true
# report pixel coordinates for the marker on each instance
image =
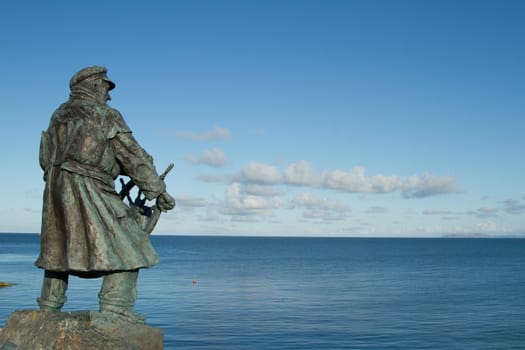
(78, 330)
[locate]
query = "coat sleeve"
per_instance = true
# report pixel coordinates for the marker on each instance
(134, 161)
(45, 150)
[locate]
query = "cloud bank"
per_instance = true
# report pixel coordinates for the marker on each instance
(257, 191)
(321, 208)
(214, 157)
(245, 203)
(355, 180)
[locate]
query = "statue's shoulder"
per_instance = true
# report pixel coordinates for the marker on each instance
(115, 122)
(107, 114)
(109, 111)
(76, 107)
(62, 113)
(112, 114)
(74, 111)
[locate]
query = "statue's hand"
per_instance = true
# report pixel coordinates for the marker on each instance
(165, 202)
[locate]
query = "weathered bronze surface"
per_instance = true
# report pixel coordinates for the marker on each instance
(87, 229)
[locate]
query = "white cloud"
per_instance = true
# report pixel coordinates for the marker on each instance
(259, 173)
(321, 208)
(355, 180)
(185, 200)
(214, 157)
(413, 187)
(215, 133)
(301, 173)
(261, 190)
(428, 185)
(239, 202)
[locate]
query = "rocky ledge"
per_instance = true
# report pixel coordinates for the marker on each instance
(78, 330)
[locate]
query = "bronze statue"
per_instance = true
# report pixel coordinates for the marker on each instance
(87, 229)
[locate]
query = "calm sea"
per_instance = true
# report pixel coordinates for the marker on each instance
(311, 293)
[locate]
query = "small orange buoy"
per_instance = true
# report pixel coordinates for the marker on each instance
(194, 281)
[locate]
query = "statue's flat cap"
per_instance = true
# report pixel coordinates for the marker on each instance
(93, 72)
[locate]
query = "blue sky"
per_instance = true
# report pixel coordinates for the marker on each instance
(313, 118)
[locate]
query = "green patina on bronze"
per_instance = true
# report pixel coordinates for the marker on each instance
(87, 229)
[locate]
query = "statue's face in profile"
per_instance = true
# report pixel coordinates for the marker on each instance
(102, 91)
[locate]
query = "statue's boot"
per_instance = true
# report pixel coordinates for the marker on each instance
(54, 289)
(118, 295)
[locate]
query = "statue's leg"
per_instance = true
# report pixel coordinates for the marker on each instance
(118, 295)
(54, 289)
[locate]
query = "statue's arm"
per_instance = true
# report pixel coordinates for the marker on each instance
(136, 163)
(46, 154)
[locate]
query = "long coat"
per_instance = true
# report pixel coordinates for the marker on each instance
(85, 225)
